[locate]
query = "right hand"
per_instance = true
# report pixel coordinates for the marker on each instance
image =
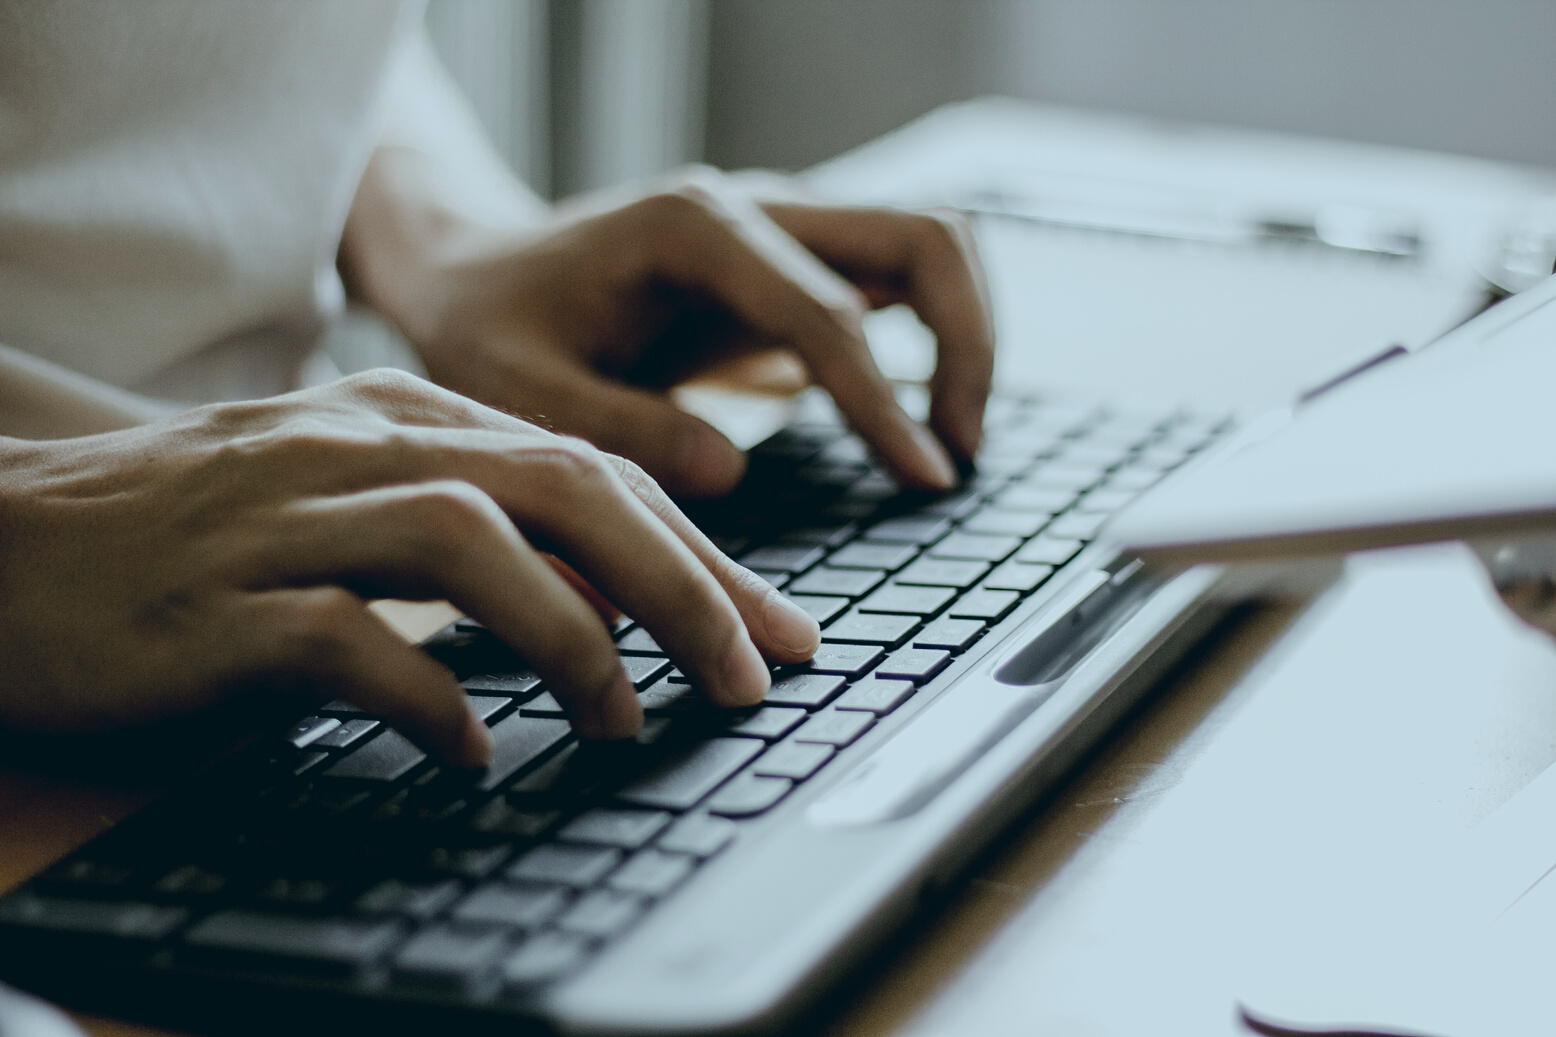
(153, 572)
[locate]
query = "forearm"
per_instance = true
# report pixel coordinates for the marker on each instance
(40, 400)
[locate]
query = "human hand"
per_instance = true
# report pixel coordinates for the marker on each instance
(155, 571)
(583, 322)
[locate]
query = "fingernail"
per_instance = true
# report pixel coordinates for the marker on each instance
(746, 678)
(937, 469)
(791, 626)
(478, 744)
(621, 714)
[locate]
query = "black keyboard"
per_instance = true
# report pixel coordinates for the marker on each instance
(339, 855)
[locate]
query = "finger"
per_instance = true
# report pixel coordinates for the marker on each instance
(448, 539)
(326, 636)
(781, 630)
(725, 246)
(929, 261)
(585, 590)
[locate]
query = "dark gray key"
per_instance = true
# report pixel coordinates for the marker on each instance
(808, 690)
(1018, 576)
(1023, 496)
(871, 628)
(442, 958)
(543, 957)
(1007, 523)
(643, 670)
(628, 829)
(835, 727)
(487, 706)
(543, 705)
(305, 732)
(1048, 550)
(910, 601)
(669, 697)
(334, 945)
(850, 583)
(680, 781)
(820, 609)
(388, 757)
(796, 760)
(943, 572)
(499, 818)
(876, 696)
(338, 706)
(518, 741)
(845, 660)
(394, 897)
(298, 892)
(698, 835)
(474, 862)
(651, 873)
(191, 880)
(579, 866)
(914, 664)
(640, 641)
(307, 761)
(1077, 526)
(130, 921)
(520, 684)
(601, 913)
(984, 604)
(824, 536)
(959, 506)
(972, 547)
(777, 579)
(954, 635)
(769, 722)
(910, 529)
(345, 734)
(866, 555)
(788, 558)
(749, 795)
(518, 906)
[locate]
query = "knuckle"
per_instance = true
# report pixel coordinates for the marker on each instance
(327, 623)
(571, 465)
(451, 513)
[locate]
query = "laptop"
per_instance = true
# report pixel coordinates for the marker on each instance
(724, 870)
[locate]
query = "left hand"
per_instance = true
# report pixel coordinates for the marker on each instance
(582, 323)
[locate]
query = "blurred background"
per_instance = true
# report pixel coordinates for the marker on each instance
(586, 93)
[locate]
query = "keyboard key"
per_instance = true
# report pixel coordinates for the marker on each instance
(191, 881)
(835, 727)
(333, 945)
(129, 921)
(914, 664)
(987, 605)
(851, 583)
(447, 959)
(520, 907)
(749, 795)
(487, 706)
(876, 696)
(910, 529)
(1063, 475)
(473, 862)
(787, 558)
(643, 670)
(959, 506)
(769, 722)
(1077, 526)
(776, 579)
(639, 641)
(669, 697)
(388, 757)
(305, 732)
(844, 660)
(970, 546)
(499, 818)
(808, 690)
(954, 635)
(867, 555)
(628, 829)
(797, 760)
(518, 741)
(307, 761)
(1018, 576)
(394, 897)
(1048, 550)
(679, 782)
(911, 601)
(871, 628)
(601, 913)
(698, 835)
(1133, 479)
(1022, 497)
(652, 873)
(338, 706)
(994, 522)
(823, 536)
(344, 735)
(1104, 501)
(542, 957)
(519, 685)
(296, 892)
(543, 705)
(819, 609)
(943, 572)
(579, 866)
